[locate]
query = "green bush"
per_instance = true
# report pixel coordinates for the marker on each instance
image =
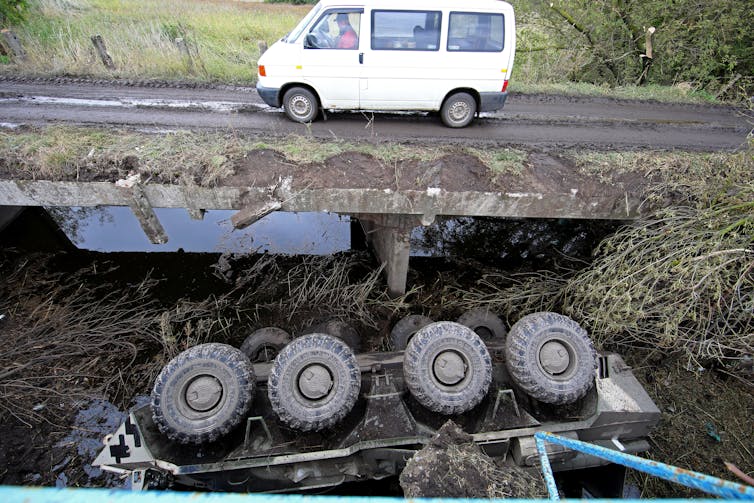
(12, 11)
(707, 44)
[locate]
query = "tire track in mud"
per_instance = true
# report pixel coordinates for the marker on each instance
(534, 120)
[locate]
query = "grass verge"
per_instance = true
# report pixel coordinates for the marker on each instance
(140, 35)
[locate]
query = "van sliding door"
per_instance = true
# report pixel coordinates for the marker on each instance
(402, 60)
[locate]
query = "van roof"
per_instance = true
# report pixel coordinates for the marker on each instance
(421, 4)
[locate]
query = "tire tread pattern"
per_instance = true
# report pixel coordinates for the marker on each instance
(406, 328)
(523, 367)
(242, 371)
(340, 354)
(416, 374)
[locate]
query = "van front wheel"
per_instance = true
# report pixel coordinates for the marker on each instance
(300, 104)
(458, 110)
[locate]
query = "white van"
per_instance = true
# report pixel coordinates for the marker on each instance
(455, 56)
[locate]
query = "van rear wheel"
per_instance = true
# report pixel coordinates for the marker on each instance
(458, 110)
(300, 105)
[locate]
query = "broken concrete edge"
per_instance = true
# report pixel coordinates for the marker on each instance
(427, 204)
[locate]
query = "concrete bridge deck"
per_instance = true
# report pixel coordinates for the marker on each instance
(388, 216)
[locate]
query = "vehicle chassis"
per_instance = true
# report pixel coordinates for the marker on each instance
(383, 431)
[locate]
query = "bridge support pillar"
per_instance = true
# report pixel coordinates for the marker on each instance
(388, 235)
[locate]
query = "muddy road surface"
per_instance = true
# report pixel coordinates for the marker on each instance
(537, 120)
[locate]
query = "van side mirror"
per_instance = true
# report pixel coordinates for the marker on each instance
(310, 42)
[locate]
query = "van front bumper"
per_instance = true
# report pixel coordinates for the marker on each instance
(489, 102)
(270, 95)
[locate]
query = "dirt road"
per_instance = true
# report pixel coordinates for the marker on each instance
(535, 120)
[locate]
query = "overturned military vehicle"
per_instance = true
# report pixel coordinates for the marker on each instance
(288, 414)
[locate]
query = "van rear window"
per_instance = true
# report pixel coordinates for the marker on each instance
(405, 30)
(476, 32)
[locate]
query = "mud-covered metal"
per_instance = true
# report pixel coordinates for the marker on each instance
(385, 428)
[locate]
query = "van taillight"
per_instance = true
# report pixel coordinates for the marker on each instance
(505, 86)
(263, 72)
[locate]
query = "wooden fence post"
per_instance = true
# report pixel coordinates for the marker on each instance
(13, 44)
(184, 48)
(646, 58)
(99, 44)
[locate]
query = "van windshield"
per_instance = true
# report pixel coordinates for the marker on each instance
(293, 35)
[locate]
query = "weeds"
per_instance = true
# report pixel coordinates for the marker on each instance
(63, 341)
(140, 36)
(680, 282)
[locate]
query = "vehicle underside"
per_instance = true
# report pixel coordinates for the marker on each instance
(269, 450)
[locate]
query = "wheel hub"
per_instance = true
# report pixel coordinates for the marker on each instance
(554, 357)
(300, 105)
(459, 111)
(315, 382)
(449, 368)
(204, 393)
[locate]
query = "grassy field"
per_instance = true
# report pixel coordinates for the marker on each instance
(222, 37)
(140, 35)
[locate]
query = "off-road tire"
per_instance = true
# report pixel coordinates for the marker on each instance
(229, 376)
(458, 110)
(300, 105)
(263, 345)
(406, 328)
(487, 325)
(423, 354)
(286, 397)
(567, 374)
(340, 329)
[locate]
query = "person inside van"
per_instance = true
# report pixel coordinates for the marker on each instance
(347, 39)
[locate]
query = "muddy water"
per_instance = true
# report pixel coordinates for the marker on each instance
(115, 229)
(511, 243)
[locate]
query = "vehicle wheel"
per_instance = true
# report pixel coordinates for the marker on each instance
(339, 329)
(447, 367)
(458, 110)
(405, 329)
(550, 357)
(487, 325)
(300, 104)
(203, 393)
(263, 345)
(314, 382)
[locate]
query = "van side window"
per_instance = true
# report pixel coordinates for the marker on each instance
(335, 30)
(475, 32)
(405, 30)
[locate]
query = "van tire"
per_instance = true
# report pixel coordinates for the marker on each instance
(263, 345)
(551, 358)
(406, 328)
(447, 368)
(203, 393)
(300, 104)
(458, 110)
(332, 387)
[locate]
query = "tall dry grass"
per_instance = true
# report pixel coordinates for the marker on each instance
(140, 36)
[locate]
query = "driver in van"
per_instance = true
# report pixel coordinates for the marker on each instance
(347, 39)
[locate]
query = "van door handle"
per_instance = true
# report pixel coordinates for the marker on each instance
(361, 58)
